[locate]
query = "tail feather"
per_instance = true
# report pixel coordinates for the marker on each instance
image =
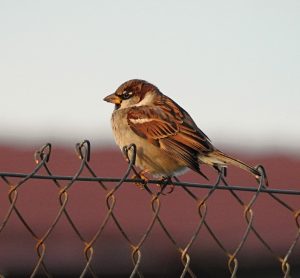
(217, 158)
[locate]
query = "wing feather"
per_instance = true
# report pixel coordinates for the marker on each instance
(167, 125)
(151, 122)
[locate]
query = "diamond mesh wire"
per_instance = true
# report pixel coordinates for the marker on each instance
(156, 190)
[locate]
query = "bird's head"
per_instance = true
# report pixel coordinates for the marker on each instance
(134, 92)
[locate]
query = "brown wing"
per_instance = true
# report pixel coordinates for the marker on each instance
(189, 134)
(170, 127)
(151, 123)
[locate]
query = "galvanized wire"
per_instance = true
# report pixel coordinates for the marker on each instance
(164, 186)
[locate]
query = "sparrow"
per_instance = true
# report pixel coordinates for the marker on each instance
(168, 141)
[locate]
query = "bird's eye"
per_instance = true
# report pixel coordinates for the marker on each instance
(126, 95)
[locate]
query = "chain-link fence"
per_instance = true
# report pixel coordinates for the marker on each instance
(189, 261)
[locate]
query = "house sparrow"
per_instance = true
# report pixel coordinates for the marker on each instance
(167, 139)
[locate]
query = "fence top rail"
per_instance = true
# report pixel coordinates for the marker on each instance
(186, 184)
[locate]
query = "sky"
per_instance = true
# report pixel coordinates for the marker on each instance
(233, 65)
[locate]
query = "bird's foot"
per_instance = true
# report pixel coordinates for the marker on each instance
(141, 175)
(164, 181)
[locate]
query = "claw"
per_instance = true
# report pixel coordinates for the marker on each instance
(141, 175)
(163, 184)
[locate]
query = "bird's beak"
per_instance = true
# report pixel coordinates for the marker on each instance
(113, 99)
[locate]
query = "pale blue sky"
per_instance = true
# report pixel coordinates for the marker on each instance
(233, 65)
